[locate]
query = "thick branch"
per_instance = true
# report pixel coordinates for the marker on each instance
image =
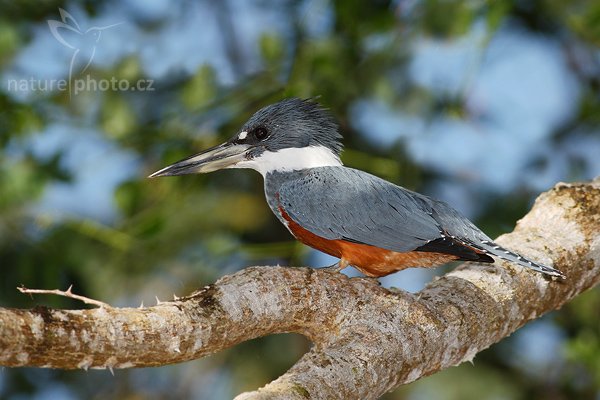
(367, 339)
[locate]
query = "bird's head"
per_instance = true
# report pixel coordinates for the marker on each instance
(292, 134)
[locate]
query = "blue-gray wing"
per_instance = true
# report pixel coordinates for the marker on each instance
(344, 203)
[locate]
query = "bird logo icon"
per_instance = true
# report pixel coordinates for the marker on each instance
(83, 43)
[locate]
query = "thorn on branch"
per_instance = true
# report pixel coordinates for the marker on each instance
(64, 293)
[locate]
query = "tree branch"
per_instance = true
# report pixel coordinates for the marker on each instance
(367, 339)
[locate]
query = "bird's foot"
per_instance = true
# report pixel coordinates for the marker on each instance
(335, 268)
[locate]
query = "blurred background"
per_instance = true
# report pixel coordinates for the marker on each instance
(481, 104)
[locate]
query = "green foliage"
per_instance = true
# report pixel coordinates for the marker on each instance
(443, 18)
(583, 349)
(200, 90)
(272, 49)
(117, 118)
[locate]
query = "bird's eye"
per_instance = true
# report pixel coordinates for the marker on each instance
(260, 133)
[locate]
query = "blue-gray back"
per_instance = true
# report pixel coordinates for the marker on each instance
(349, 204)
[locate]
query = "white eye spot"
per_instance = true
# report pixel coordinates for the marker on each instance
(242, 135)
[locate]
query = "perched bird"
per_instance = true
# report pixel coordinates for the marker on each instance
(365, 221)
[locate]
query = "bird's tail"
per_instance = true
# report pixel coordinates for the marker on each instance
(496, 250)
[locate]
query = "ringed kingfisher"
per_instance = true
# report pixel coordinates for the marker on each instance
(365, 221)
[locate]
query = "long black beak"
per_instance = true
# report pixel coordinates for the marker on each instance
(222, 156)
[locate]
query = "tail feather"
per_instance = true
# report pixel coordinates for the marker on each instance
(496, 250)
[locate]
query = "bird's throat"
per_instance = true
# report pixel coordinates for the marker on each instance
(292, 159)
